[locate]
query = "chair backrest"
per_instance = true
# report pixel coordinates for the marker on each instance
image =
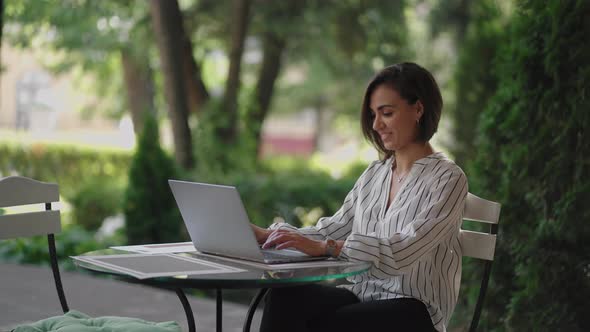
(17, 191)
(480, 245)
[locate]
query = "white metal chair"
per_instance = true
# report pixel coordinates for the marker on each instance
(480, 245)
(18, 191)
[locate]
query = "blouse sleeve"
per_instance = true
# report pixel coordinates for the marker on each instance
(440, 215)
(338, 226)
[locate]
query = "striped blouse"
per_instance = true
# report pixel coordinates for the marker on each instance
(413, 244)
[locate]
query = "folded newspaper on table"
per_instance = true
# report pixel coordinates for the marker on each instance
(159, 248)
(143, 266)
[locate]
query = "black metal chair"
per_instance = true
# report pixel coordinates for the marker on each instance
(480, 245)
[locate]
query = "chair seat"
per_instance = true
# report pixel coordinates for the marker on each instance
(75, 321)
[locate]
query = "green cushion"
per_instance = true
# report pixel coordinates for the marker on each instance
(75, 321)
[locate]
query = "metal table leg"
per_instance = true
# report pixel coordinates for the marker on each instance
(219, 300)
(187, 310)
(253, 305)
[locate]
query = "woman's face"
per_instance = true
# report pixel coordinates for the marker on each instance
(394, 119)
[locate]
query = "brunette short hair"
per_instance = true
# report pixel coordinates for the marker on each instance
(412, 83)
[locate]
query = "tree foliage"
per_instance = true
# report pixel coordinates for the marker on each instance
(113, 40)
(85, 34)
(533, 157)
(339, 47)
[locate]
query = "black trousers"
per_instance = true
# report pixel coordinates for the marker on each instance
(327, 308)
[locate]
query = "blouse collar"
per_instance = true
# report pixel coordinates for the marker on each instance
(422, 161)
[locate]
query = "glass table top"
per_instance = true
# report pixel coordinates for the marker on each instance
(248, 274)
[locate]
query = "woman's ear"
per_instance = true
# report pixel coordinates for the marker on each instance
(419, 110)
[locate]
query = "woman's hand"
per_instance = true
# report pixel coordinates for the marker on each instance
(281, 239)
(260, 233)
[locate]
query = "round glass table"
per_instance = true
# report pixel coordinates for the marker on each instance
(245, 275)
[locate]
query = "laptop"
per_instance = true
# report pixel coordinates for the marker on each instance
(217, 223)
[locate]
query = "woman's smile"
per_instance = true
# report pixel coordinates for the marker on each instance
(385, 136)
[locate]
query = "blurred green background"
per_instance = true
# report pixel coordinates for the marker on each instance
(265, 95)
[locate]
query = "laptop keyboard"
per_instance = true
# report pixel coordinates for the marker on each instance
(274, 254)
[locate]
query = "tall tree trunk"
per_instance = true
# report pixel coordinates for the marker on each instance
(139, 83)
(1, 32)
(1, 19)
(227, 130)
(168, 28)
(271, 64)
(274, 43)
(321, 123)
(195, 88)
(462, 16)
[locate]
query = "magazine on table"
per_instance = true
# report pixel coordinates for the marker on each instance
(143, 266)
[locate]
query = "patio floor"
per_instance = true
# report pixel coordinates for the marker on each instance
(27, 293)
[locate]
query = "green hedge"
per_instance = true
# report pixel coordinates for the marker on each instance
(534, 158)
(292, 197)
(67, 165)
(73, 240)
(95, 199)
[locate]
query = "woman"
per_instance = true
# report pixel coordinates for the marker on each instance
(403, 215)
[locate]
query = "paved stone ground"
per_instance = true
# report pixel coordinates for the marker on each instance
(27, 293)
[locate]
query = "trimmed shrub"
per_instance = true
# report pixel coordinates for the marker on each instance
(151, 215)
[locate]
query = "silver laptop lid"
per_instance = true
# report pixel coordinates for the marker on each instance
(216, 219)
